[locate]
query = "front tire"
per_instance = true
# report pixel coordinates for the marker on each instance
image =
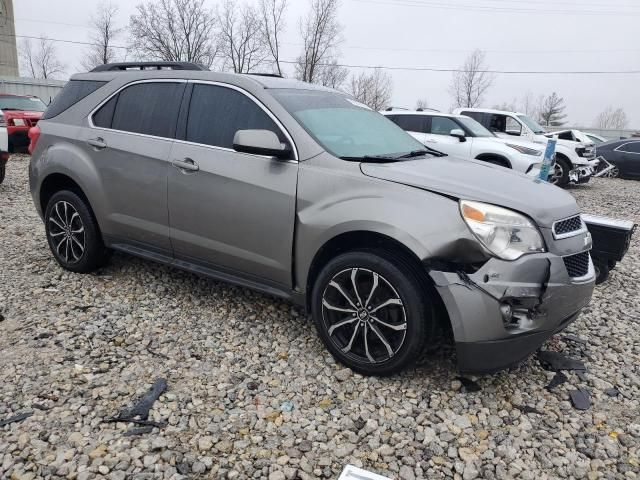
(73, 234)
(560, 174)
(372, 311)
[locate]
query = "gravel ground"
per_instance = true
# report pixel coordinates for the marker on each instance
(253, 394)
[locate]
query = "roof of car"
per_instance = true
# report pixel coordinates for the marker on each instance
(489, 110)
(432, 113)
(265, 81)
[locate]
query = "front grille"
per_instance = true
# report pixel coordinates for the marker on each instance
(577, 265)
(569, 225)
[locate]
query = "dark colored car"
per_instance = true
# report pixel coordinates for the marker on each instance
(624, 155)
(21, 113)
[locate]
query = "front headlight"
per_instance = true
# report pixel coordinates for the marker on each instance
(525, 150)
(18, 122)
(505, 233)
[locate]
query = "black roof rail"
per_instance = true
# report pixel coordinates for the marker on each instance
(123, 66)
(391, 109)
(273, 75)
(426, 109)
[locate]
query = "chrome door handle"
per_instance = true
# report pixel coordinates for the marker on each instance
(185, 164)
(97, 143)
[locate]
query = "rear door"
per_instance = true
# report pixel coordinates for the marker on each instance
(439, 137)
(129, 141)
(236, 212)
(414, 125)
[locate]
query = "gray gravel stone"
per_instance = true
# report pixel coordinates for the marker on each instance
(82, 347)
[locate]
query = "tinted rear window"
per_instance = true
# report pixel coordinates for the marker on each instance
(410, 123)
(72, 93)
(148, 108)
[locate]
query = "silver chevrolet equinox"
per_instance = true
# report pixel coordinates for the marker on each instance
(301, 192)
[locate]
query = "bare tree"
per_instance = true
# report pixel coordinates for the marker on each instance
(373, 89)
(611, 119)
(528, 105)
(551, 110)
(506, 106)
(332, 74)
(321, 35)
(471, 82)
(104, 28)
(272, 13)
(422, 104)
(240, 37)
(42, 60)
(174, 30)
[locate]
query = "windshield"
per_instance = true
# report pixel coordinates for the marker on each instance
(475, 127)
(344, 127)
(30, 104)
(532, 124)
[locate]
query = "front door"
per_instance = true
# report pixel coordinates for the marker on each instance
(439, 137)
(231, 211)
(129, 143)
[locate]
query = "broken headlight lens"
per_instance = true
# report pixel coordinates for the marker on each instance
(505, 233)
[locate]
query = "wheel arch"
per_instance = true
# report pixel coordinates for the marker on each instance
(487, 157)
(358, 240)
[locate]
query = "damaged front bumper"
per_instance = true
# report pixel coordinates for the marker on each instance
(505, 311)
(583, 173)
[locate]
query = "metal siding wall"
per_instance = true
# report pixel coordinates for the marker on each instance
(44, 89)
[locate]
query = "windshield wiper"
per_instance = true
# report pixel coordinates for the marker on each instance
(371, 159)
(425, 151)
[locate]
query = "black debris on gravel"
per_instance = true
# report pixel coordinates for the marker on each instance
(528, 409)
(139, 413)
(558, 379)
(580, 399)
(612, 392)
(569, 337)
(556, 361)
(17, 418)
(468, 385)
(138, 431)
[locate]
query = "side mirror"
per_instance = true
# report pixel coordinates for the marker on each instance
(459, 134)
(260, 142)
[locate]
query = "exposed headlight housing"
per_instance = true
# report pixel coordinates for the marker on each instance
(18, 122)
(506, 234)
(525, 150)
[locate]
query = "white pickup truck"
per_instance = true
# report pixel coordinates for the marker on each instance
(575, 161)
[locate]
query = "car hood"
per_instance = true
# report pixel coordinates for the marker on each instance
(480, 181)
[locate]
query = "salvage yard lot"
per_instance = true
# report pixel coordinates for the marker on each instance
(252, 393)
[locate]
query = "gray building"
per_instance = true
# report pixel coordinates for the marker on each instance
(8, 48)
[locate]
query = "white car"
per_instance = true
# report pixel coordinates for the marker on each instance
(463, 137)
(576, 136)
(575, 161)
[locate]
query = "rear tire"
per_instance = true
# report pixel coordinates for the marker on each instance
(3, 170)
(373, 312)
(602, 270)
(560, 174)
(73, 234)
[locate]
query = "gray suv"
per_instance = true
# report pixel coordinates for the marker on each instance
(301, 192)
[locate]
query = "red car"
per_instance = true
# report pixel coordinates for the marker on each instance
(21, 113)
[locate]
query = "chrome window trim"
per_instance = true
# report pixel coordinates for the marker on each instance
(575, 233)
(618, 149)
(214, 147)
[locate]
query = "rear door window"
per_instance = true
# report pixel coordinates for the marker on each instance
(410, 123)
(72, 93)
(148, 108)
(477, 116)
(631, 147)
(216, 113)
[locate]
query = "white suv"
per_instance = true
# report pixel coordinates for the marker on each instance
(575, 162)
(463, 137)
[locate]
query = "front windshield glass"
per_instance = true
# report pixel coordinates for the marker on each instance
(475, 127)
(344, 127)
(532, 124)
(29, 104)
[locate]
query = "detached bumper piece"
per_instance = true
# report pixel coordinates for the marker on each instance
(611, 240)
(505, 311)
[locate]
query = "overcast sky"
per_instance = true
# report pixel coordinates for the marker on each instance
(538, 35)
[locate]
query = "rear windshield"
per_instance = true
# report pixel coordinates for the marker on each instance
(72, 93)
(28, 104)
